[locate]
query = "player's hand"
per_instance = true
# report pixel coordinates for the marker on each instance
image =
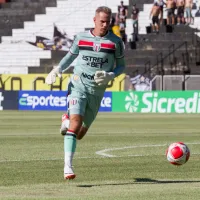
(102, 77)
(51, 77)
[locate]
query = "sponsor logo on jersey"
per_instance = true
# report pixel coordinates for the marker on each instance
(95, 61)
(88, 76)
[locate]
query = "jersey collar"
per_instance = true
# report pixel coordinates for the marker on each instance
(90, 31)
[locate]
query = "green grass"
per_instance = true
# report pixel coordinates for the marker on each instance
(134, 166)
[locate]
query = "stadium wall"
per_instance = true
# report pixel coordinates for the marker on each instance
(187, 102)
(10, 82)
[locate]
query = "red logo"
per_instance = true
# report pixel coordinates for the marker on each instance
(73, 101)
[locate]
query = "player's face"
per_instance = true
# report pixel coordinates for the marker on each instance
(102, 23)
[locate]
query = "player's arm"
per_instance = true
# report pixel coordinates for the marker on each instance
(64, 63)
(191, 4)
(70, 56)
(150, 13)
(120, 61)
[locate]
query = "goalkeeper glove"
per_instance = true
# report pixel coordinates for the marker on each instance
(51, 77)
(102, 77)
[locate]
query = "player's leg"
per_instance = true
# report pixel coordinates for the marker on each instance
(187, 15)
(153, 24)
(65, 117)
(178, 15)
(157, 25)
(168, 16)
(83, 130)
(91, 111)
(77, 104)
(64, 124)
(173, 17)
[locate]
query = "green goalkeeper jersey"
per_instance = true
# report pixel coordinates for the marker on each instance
(93, 54)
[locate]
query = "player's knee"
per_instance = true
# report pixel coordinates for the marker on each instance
(81, 133)
(78, 137)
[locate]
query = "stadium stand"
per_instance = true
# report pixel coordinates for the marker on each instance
(71, 16)
(175, 50)
(23, 20)
(15, 54)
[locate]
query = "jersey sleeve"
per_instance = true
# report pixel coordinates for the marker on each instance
(119, 56)
(119, 52)
(71, 55)
(74, 49)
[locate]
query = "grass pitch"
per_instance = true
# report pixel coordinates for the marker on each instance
(121, 157)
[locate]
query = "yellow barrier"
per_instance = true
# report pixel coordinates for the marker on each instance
(37, 82)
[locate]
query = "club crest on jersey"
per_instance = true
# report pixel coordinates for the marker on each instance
(96, 47)
(73, 101)
(76, 77)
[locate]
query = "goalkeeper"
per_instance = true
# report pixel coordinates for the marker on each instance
(100, 58)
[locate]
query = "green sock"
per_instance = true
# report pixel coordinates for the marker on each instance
(69, 147)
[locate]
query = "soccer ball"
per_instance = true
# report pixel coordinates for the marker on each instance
(178, 153)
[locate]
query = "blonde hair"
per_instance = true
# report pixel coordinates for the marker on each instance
(104, 9)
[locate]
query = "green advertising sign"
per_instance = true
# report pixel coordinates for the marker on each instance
(156, 102)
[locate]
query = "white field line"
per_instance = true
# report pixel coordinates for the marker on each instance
(103, 153)
(86, 157)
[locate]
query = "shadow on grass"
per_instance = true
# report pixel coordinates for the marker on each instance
(141, 181)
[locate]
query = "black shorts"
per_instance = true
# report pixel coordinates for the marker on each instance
(161, 8)
(155, 20)
(170, 12)
(180, 11)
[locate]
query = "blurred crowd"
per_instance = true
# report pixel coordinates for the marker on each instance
(178, 12)
(118, 25)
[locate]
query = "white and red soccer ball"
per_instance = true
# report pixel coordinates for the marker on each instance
(178, 153)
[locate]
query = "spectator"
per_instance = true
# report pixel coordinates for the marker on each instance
(188, 11)
(171, 6)
(155, 13)
(122, 13)
(122, 30)
(122, 16)
(161, 4)
(140, 83)
(180, 12)
(123, 10)
(134, 17)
